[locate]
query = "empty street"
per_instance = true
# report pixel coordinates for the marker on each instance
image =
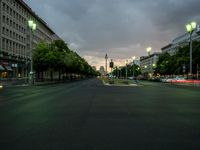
(86, 115)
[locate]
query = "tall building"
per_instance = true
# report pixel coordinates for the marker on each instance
(148, 64)
(180, 41)
(15, 37)
(102, 70)
(94, 68)
(136, 62)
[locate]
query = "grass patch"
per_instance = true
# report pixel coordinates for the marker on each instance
(116, 81)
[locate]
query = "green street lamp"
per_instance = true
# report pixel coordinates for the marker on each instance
(126, 62)
(190, 28)
(32, 26)
(149, 50)
(134, 58)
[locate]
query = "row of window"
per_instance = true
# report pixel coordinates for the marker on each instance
(13, 35)
(16, 6)
(13, 24)
(19, 28)
(7, 7)
(13, 47)
(13, 13)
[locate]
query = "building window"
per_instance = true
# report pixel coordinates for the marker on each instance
(14, 48)
(4, 19)
(17, 26)
(7, 32)
(11, 23)
(14, 14)
(4, 6)
(10, 11)
(3, 31)
(7, 44)
(7, 9)
(3, 43)
(14, 25)
(7, 21)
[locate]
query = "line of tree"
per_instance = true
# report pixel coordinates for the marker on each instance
(121, 72)
(57, 57)
(179, 63)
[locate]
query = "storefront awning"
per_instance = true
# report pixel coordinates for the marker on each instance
(8, 68)
(1, 68)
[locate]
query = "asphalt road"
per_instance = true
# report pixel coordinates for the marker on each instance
(87, 115)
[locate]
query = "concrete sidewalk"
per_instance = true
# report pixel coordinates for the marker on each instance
(7, 83)
(22, 82)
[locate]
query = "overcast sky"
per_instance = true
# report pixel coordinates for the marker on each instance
(121, 28)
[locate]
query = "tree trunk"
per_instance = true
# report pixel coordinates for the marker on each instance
(38, 74)
(42, 75)
(51, 75)
(59, 74)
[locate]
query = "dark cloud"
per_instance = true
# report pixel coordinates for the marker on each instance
(120, 28)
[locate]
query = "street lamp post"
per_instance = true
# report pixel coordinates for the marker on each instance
(117, 72)
(190, 29)
(146, 71)
(197, 71)
(32, 27)
(126, 69)
(133, 66)
(153, 70)
(149, 50)
(120, 72)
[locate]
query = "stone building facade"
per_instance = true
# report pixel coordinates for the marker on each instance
(15, 37)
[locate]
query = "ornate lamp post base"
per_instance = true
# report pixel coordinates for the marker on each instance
(31, 78)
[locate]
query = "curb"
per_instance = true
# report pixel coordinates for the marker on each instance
(121, 85)
(40, 83)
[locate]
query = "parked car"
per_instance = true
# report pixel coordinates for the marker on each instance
(165, 79)
(176, 79)
(170, 79)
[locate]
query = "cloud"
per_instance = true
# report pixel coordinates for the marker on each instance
(120, 28)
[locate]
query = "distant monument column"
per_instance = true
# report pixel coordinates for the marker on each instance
(106, 59)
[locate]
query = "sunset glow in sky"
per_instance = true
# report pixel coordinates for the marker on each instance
(120, 28)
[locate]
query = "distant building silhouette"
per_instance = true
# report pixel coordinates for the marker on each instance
(94, 68)
(102, 70)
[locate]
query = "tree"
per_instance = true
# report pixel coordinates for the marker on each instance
(57, 57)
(169, 65)
(39, 62)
